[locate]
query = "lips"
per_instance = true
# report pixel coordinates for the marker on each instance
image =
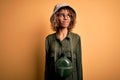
(65, 22)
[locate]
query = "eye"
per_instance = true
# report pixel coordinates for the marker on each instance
(61, 15)
(69, 15)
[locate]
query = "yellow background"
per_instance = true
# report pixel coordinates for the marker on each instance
(24, 24)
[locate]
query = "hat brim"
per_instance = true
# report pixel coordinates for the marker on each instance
(67, 6)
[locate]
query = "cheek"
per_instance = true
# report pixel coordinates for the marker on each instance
(69, 20)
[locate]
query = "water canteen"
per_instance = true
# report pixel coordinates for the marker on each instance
(64, 66)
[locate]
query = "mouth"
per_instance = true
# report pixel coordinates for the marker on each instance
(65, 22)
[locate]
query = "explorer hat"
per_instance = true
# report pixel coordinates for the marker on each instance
(59, 6)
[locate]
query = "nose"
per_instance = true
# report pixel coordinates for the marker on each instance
(65, 17)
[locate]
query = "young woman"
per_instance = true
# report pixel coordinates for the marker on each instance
(63, 43)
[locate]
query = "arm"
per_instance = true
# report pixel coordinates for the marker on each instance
(79, 60)
(46, 60)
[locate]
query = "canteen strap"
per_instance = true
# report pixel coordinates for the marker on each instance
(71, 45)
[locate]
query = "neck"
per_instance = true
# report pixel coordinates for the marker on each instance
(62, 33)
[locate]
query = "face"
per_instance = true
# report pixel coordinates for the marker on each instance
(64, 18)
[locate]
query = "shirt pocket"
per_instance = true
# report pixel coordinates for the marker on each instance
(68, 54)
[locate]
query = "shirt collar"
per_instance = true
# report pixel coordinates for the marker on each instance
(67, 37)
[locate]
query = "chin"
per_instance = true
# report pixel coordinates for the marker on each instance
(65, 26)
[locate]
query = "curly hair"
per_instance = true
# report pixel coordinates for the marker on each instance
(55, 23)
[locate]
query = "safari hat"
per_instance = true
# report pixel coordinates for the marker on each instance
(59, 6)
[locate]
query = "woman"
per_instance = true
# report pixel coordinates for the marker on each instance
(63, 42)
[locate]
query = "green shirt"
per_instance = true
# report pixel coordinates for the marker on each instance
(54, 45)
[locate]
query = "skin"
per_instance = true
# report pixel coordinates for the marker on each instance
(64, 21)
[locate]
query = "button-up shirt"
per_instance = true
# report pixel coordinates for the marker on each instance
(55, 47)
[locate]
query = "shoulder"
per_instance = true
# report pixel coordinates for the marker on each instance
(50, 36)
(76, 38)
(75, 35)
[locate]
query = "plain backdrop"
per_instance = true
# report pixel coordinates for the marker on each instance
(24, 24)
